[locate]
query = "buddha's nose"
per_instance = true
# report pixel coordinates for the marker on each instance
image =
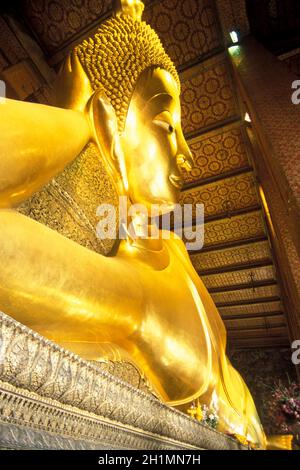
(184, 157)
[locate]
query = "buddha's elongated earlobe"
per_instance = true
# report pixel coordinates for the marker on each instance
(104, 130)
(120, 158)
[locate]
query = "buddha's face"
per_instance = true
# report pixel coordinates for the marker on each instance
(154, 146)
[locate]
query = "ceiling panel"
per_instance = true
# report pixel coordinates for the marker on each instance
(217, 153)
(262, 342)
(240, 227)
(229, 257)
(189, 29)
(223, 197)
(253, 322)
(247, 294)
(207, 97)
(256, 333)
(56, 23)
(252, 309)
(246, 276)
(237, 344)
(233, 17)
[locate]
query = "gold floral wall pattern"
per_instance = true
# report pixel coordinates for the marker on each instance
(251, 309)
(189, 28)
(235, 228)
(246, 294)
(242, 277)
(57, 22)
(217, 154)
(207, 97)
(223, 197)
(254, 252)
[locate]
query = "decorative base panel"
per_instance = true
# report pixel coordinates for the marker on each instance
(52, 399)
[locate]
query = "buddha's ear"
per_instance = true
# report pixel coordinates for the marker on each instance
(105, 134)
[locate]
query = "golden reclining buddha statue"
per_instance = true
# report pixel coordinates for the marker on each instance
(118, 108)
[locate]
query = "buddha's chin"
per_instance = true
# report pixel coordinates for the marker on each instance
(161, 206)
(167, 208)
(157, 204)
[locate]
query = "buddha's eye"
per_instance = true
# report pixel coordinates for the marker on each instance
(165, 125)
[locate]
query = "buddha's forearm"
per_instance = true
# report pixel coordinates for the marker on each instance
(36, 143)
(61, 289)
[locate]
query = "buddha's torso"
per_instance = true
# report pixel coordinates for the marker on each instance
(173, 342)
(161, 319)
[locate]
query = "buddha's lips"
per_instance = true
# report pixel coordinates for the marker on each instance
(176, 181)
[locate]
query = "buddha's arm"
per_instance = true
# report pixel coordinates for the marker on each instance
(36, 143)
(63, 290)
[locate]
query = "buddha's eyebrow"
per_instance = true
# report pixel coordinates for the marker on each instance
(158, 100)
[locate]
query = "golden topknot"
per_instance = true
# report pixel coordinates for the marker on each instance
(114, 58)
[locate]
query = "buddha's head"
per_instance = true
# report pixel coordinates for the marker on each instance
(129, 87)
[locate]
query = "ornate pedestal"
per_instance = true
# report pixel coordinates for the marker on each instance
(52, 399)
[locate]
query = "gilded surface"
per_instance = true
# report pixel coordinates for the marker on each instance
(51, 398)
(68, 204)
(123, 306)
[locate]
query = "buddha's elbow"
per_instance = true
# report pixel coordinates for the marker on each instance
(13, 195)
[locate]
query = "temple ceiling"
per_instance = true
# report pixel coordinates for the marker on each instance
(236, 263)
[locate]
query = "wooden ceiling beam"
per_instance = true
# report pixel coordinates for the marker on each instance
(227, 215)
(200, 60)
(238, 287)
(217, 50)
(265, 343)
(237, 303)
(231, 244)
(263, 337)
(252, 315)
(231, 214)
(191, 136)
(216, 178)
(237, 267)
(254, 328)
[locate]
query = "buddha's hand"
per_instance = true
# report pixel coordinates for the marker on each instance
(133, 8)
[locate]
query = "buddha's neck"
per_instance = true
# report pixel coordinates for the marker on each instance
(147, 237)
(149, 249)
(149, 244)
(144, 234)
(154, 253)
